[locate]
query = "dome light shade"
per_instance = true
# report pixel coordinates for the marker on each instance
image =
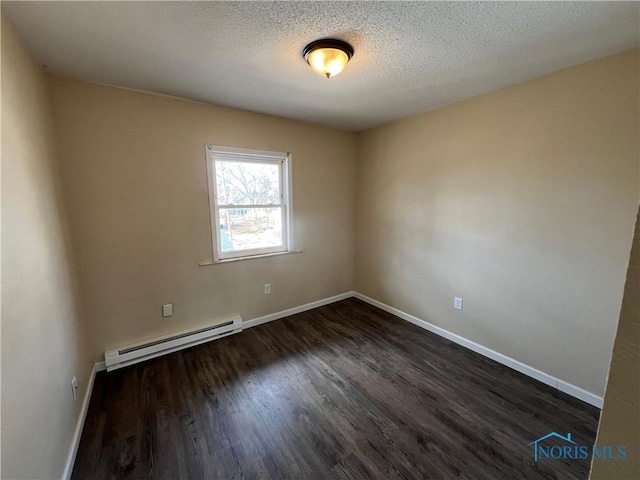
(328, 57)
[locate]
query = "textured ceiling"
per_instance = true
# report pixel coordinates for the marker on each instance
(409, 57)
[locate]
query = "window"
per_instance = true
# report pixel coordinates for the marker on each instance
(250, 201)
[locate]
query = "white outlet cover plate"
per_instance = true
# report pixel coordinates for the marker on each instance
(457, 303)
(167, 310)
(74, 388)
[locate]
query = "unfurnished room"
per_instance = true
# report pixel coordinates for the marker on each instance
(320, 240)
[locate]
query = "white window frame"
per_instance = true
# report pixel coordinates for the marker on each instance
(244, 155)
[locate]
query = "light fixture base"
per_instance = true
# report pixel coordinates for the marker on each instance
(327, 43)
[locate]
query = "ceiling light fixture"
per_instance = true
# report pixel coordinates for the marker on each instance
(328, 57)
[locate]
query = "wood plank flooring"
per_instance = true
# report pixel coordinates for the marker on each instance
(344, 391)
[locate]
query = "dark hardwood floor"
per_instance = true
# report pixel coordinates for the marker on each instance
(342, 391)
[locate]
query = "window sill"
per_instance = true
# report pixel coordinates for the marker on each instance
(248, 257)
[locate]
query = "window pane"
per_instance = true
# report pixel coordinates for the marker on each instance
(250, 228)
(244, 183)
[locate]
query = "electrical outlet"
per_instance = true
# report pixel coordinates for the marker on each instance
(267, 288)
(74, 388)
(457, 303)
(167, 309)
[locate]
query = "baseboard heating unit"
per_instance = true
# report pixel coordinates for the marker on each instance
(124, 356)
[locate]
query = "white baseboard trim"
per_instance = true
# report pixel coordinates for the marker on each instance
(580, 393)
(292, 311)
(77, 433)
(101, 367)
(561, 385)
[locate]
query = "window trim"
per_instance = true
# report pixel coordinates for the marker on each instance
(248, 155)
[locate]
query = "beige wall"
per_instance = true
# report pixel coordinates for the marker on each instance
(620, 418)
(42, 346)
(522, 202)
(134, 165)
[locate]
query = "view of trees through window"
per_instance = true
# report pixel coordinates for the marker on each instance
(249, 205)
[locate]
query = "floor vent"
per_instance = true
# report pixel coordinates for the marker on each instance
(121, 357)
